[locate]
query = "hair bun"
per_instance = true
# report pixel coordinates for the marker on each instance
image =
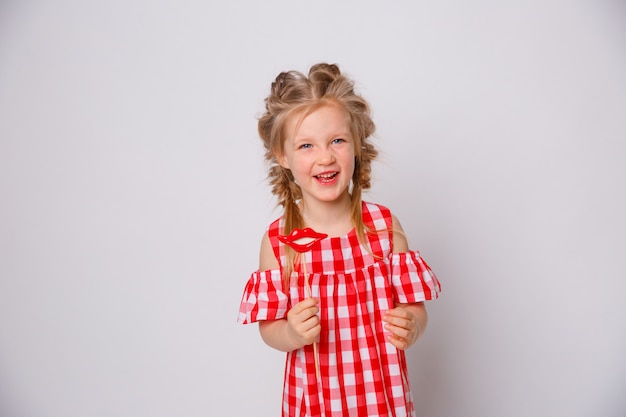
(324, 70)
(322, 76)
(283, 81)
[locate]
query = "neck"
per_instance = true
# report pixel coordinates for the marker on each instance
(333, 218)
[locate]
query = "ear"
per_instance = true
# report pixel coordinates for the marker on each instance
(282, 160)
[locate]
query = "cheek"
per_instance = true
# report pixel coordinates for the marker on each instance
(297, 162)
(352, 165)
(350, 160)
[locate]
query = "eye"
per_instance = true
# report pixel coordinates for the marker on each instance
(338, 140)
(305, 146)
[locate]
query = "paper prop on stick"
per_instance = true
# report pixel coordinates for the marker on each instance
(302, 240)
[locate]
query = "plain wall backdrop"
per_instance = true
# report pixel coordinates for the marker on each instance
(133, 198)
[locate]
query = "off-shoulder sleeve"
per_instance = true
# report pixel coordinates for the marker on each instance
(412, 279)
(263, 298)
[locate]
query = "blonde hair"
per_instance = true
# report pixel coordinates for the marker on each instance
(294, 93)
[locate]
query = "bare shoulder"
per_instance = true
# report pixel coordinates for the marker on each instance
(267, 260)
(400, 242)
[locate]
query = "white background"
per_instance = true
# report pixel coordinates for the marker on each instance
(133, 198)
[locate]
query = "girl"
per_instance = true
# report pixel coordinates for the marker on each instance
(345, 341)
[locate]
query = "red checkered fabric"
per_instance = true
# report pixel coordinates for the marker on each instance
(361, 373)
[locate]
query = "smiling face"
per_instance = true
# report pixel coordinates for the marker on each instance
(319, 151)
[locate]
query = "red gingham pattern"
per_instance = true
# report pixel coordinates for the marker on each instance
(265, 299)
(361, 373)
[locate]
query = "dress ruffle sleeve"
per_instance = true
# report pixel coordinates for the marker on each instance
(263, 298)
(412, 279)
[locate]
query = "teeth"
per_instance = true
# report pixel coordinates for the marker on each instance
(327, 175)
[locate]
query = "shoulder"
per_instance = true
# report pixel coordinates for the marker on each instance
(374, 207)
(267, 258)
(269, 246)
(376, 214)
(400, 242)
(275, 228)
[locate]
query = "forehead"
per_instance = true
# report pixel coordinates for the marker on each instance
(324, 119)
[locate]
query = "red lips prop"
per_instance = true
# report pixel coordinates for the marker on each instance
(310, 237)
(298, 234)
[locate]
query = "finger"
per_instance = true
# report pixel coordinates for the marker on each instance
(303, 306)
(310, 335)
(311, 322)
(398, 331)
(400, 322)
(399, 343)
(301, 316)
(309, 313)
(393, 320)
(398, 312)
(306, 303)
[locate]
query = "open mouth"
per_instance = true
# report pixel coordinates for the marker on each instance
(327, 177)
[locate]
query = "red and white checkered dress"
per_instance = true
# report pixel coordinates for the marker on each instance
(361, 373)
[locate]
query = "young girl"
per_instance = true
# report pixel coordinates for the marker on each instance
(345, 340)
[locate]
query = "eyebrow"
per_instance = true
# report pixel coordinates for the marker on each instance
(341, 134)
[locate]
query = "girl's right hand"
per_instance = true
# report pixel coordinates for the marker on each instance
(303, 324)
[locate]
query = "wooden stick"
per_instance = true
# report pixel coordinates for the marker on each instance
(307, 288)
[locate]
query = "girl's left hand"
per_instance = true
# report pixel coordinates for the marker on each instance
(403, 324)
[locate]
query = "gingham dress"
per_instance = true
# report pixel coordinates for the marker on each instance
(361, 373)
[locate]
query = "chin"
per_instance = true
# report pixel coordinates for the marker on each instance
(335, 197)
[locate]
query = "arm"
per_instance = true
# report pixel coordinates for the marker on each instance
(301, 327)
(405, 322)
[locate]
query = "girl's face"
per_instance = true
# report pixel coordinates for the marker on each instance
(320, 153)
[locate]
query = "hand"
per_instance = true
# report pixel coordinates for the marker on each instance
(303, 324)
(404, 325)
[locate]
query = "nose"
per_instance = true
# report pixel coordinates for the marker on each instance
(326, 156)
